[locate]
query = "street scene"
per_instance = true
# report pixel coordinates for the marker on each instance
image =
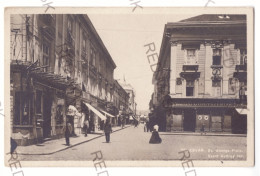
(122, 148)
(132, 88)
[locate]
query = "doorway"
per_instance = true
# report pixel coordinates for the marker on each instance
(189, 121)
(47, 103)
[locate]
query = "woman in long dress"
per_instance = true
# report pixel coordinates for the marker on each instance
(155, 138)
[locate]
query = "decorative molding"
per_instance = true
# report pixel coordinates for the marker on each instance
(174, 43)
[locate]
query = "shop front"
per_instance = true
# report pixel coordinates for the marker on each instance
(209, 115)
(38, 104)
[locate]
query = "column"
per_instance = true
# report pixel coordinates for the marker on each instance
(173, 57)
(208, 70)
(226, 66)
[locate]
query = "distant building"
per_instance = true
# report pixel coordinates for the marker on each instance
(121, 99)
(201, 77)
(131, 92)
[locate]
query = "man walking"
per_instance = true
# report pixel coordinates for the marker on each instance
(68, 131)
(86, 126)
(107, 130)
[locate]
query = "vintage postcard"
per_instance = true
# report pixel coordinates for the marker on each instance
(138, 87)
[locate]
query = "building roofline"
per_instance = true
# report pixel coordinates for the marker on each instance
(94, 31)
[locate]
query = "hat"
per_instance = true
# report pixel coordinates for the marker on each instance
(156, 127)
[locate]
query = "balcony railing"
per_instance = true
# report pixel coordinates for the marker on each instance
(190, 68)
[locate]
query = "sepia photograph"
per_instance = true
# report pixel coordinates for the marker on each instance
(159, 87)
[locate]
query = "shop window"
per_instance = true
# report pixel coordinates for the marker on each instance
(216, 57)
(189, 88)
(243, 56)
(59, 114)
(21, 109)
(38, 103)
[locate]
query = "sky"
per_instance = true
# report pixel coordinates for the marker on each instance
(125, 35)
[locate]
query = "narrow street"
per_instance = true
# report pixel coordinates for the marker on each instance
(133, 144)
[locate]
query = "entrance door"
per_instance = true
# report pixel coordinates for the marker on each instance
(189, 121)
(47, 103)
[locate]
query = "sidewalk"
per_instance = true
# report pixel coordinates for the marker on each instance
(204, 134)
(57, 145)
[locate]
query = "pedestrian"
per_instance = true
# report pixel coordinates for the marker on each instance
(107, 130)
(202, 129)
(136, 123)
(86, 126)
(145, 126)
(155, 138)
(67, 129)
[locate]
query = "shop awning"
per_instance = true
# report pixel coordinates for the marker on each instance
(96, 111)
(242, 111)
(106, 113)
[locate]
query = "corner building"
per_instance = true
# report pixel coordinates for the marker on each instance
(201, 76)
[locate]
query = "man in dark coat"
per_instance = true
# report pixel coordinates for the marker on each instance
(107, 130)
(68, 131)
(155, 138)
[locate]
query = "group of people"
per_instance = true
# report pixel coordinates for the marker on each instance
(68, 130)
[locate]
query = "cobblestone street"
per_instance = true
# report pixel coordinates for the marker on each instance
(133, 144)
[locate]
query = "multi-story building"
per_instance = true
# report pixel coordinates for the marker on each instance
(201, 76)
(56, 61)
(131, 92)
(121, 99)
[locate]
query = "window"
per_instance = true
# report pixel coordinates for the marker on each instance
(191, 56)
(216, 57)
(70, 33)
(216, 88)
(38, 103)
(46, 55)
(69, 25)
(189, 88)
(216, 83)
(84, 48)
(231, 86)
(21, 109)
(92, 56)
(243, 56)
(84, 45)
(59, 114)
(178, 81)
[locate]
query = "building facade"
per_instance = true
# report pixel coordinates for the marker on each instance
(201, 76)
(121, 99)
(131, 92)
(57, 61)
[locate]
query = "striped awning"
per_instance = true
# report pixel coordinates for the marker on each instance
(99, 114)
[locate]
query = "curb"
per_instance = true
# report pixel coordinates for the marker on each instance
(59, 150)
(207, 134)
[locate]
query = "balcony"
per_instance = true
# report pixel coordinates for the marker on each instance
(190, 68)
